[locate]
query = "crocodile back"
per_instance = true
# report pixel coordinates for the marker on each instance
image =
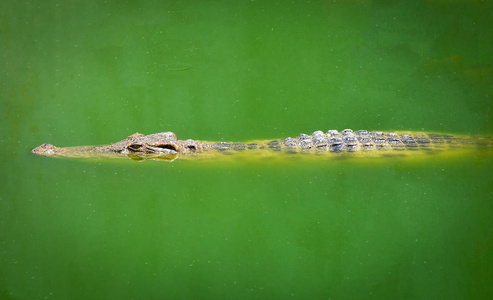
(362, 141)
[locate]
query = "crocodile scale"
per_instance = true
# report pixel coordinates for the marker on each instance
(350, 141)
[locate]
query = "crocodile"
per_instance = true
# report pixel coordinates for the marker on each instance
(166, 145)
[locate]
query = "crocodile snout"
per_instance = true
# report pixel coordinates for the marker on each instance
(47, 150)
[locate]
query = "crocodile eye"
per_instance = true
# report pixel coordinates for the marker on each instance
(166, 147)
(135, 147)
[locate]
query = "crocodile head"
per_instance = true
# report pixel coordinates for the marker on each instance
(158, 144)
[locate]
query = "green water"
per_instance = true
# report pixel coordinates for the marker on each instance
(93, 72)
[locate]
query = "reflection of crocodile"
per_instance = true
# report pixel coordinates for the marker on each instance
(165, 145)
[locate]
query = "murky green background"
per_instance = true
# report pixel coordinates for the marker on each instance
(93, 72)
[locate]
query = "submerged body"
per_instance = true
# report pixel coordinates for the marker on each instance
(166, 146)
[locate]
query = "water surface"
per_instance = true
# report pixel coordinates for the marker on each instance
(88, 73)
